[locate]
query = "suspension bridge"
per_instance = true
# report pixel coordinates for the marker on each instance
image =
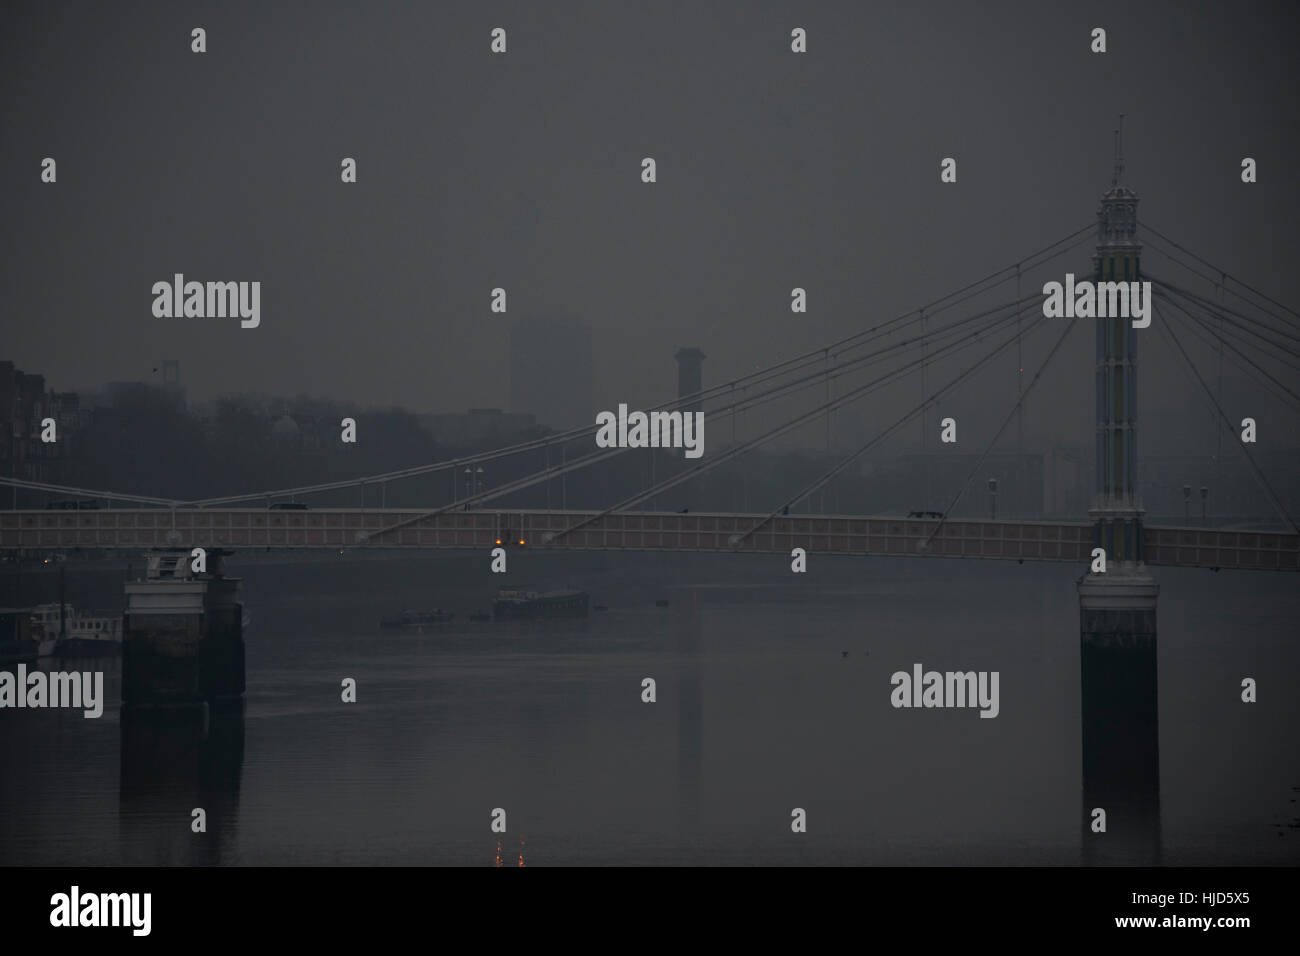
(170, 657)
(1254, 332)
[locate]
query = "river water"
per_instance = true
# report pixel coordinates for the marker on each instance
(772, 693)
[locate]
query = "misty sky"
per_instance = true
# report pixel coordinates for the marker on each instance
(523, 171)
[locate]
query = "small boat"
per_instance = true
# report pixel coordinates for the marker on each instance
(45, 626)
(600, 607)
(75, 634)
(92, 634)
(408, 619)
(514, 603)
(480, 615)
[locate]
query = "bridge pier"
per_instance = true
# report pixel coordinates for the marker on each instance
(1117, 607)
(182, 635)
(1120, 716)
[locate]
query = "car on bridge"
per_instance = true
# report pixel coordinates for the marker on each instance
(288, 506)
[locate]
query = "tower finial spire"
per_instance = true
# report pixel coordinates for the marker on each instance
(1119, 153)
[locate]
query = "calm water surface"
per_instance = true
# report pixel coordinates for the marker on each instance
(773, 693)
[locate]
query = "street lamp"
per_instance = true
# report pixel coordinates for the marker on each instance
(473, 481)
(1187, 505)
(1205, 494)
(993, 499)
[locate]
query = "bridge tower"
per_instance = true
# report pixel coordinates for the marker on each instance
(1117, 509)
(1121, 760)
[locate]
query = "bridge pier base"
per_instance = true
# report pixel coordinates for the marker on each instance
(182, 636)
(1120, 715)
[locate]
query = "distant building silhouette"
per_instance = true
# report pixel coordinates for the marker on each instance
(24, 404)
(552, 371)
(690, 375)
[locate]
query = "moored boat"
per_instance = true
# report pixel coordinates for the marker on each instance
(92, 634)
(514, 603)
(75, 634)
(46, 626)
(410, 619)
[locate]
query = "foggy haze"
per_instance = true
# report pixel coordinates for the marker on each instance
(522, 171)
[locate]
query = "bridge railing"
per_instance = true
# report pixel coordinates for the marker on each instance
(486, 529)
(1209, 548)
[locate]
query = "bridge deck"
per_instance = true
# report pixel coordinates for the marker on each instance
(354, 527)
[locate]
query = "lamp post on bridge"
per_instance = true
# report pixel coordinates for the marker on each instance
(473, 481)
(993, 499)
(1187, 505)
(1205, 494)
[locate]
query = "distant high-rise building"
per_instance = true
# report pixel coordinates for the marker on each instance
(690, 375)
(552, 371)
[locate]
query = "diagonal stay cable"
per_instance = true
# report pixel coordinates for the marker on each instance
(1276, 351)
(1198, 333)
(1213, 333)
(816, 378)
(1148, 227)
(1227, 422)
(1223, 312)
(595, 457)
(1010, 415)
(845, 399)
(554, 471)
(856, 340)
(812, 358)
(852, 341)
(809, 489)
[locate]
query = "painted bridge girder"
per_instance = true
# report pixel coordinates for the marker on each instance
(348, 528)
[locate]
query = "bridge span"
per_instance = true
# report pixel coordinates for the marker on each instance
(1070, 541)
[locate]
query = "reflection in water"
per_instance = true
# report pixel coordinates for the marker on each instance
(549, 723)
(1121, 736)
(689, 638)
(173, 762)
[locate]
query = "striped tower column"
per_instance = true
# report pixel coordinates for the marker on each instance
(1117, 608)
